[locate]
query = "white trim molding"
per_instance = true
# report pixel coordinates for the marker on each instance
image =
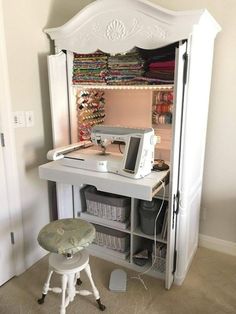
(216, 244)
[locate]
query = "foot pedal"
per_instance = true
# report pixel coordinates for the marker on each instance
(118, 280)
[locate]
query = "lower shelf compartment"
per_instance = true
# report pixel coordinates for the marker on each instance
(105, 251)
(122, 259)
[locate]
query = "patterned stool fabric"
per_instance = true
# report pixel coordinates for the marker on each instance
(66, 236)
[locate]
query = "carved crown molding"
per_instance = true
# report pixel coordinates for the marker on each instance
(117, 26)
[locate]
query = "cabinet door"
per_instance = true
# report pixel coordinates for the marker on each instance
(57, 72)
(175, 161)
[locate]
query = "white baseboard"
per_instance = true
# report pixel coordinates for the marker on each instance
(216, 244)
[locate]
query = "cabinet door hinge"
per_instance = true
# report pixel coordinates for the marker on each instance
(2, 139)
(12, 238)
(176, 200)
(185, 57)
(175, 208)
(174, 262)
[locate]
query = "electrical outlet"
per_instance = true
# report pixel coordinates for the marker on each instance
(29, 119)
(19, 119)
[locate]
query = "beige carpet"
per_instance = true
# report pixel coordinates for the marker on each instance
(210, 287)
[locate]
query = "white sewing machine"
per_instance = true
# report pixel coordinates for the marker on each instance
(135, 162)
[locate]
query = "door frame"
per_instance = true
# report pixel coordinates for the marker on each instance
(9, 156)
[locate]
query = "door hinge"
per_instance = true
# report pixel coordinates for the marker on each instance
(2, 139)
(176, 200)
(174, 262)
(175, 207)
(185, 57)
(12, 238)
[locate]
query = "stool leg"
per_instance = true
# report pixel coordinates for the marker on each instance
(64, 280)
(46, 287)
(78, 280)
(71, 287)
(95, 290)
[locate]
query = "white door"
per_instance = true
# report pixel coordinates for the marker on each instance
(175, 159)
(6, 251)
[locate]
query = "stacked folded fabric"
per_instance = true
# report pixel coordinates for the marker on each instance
(160, 65)
(163, 71)
(90, 68)
(125, 69)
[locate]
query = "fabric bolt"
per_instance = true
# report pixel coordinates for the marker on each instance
(89, 68)
(125, 69)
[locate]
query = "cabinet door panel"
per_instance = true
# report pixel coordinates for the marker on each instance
(59, 99)
(175, 159)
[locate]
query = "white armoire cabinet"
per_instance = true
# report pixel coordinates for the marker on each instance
(116, 27)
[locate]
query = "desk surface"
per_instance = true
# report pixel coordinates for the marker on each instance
(144, 188)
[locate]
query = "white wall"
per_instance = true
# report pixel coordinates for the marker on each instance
(27, 49)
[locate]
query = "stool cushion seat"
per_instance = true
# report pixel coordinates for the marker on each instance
(66, 236)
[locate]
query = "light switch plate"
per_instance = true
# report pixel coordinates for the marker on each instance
(18, 119)
(29, 119)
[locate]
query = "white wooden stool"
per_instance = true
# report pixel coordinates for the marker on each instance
(64, 239)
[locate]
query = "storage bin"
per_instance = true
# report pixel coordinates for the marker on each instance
(159, 263)
(148, 211)
(111, 239)
(107, 205)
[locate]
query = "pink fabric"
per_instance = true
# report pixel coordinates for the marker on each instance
(164, 64)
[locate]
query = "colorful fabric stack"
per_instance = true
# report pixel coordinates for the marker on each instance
(163, 107)
(91, 111)
(90, 68)
(160, 65)
(163, 71)
(125, 69)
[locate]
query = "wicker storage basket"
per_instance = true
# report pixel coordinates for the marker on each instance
(111, 239)
(160, 261)
(107, 205)
(159, 264)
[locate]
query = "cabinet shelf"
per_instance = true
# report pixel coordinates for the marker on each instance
(139, 233)
(123, 87)
(152, 272)
(124, 227)
(124, 256)
(162, 126)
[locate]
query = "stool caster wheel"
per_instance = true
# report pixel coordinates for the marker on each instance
(41, 301)
(100, 305)
(79, 282)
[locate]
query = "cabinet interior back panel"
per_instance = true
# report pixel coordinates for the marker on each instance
(132, 108)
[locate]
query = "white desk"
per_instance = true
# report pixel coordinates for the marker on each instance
(144, 188)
